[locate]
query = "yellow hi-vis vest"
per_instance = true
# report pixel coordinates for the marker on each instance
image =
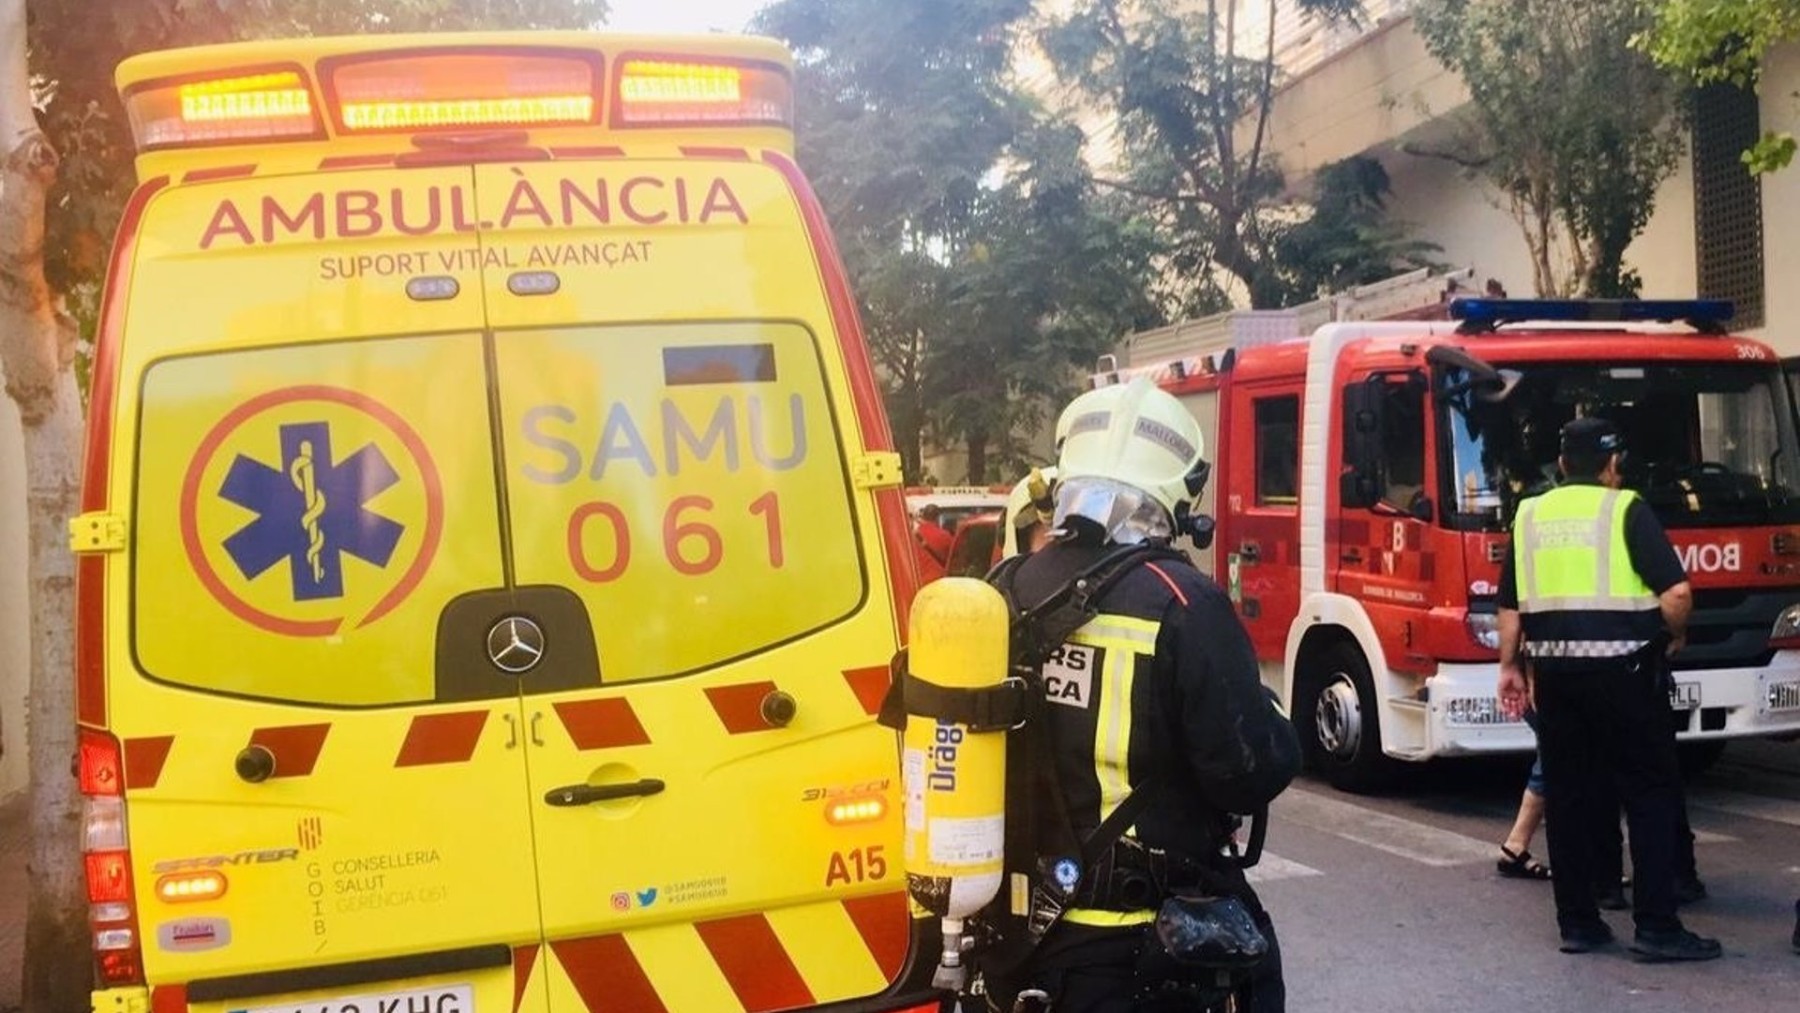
(1579, 595)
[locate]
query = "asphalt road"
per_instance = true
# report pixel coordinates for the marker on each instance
(1391, 904)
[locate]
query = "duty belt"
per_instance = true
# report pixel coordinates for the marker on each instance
(1584, 648)
(1133, 876)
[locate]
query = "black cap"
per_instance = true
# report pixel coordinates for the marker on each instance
(1592, 436)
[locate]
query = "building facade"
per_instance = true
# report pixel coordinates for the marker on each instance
(1715, 231)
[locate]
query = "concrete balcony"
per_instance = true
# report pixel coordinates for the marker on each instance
(1368, 97)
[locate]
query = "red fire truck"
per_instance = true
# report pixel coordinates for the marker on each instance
(1367, 476)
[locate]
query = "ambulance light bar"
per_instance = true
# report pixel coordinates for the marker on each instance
(457, 88)
(451, 88)
(1479, 315)
(245, 105)
(658, 92)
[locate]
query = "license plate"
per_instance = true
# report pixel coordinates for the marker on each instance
(1684, 696)
(441, 999)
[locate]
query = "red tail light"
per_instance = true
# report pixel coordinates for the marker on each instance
(112, 909)
(109, 877)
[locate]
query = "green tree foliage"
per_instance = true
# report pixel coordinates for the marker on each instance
(1349, 239)
(986, 263)
(1725, 41)
(1053, 277)
(1192, 107)
(1571, 126)
(75, 45)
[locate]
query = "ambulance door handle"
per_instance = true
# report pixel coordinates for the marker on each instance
(536, 739)
(512, 730)
(583, 794)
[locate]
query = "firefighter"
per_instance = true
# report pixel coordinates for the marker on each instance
(931, 541)
(1027, 520)
(1155, 703)
(1593, 593)
(1031, 503)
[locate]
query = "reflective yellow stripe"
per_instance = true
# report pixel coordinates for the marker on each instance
(1112, 716)
(1107, 919)
(1121, 640)
(1113, 710)
(1137, 634)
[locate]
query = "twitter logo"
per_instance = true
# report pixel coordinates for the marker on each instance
(645, 898)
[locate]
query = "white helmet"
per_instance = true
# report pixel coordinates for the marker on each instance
(1023, 506)
(1132, 454)
(1089, 401)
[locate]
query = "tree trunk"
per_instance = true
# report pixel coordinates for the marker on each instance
(37, 353)
(1232, 254)
(57, 963)
(978, 445)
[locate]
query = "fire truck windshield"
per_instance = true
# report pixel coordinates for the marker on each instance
(1707, 444)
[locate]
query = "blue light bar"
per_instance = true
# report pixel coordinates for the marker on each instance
(1703, 314)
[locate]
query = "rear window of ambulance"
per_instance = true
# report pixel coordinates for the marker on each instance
(687, 481)
(305, 514)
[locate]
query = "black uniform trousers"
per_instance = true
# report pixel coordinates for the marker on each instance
(1603, 732)
(1610, 842)
(1094, 970)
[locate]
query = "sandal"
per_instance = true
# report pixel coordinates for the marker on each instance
(1520, 865)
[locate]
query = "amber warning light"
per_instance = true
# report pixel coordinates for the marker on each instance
(863, 809)
(656, 92)
(459, 90)
(241, 107)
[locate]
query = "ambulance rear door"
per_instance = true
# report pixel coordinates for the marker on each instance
(326, 785)
(714, 809)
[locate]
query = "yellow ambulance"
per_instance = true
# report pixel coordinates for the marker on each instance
(492, 547)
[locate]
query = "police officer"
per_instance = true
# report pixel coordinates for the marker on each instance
(1593, 593)
(1160, 685)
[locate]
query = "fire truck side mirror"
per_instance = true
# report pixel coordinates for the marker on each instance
(1364, 402)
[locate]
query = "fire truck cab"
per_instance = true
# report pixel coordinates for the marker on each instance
(1367, 479)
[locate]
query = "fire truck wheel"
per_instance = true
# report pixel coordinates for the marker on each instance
(1338, 721)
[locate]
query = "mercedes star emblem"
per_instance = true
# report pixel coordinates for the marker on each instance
(515, 645)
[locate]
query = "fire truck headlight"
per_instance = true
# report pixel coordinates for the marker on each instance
(1786, 628)
(1468, 711)
(1484, 629)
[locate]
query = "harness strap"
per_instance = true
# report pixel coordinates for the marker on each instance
(983, 709)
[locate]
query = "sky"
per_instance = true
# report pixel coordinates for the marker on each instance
(682, 15)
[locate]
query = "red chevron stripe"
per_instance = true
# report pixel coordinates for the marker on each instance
(441, 738)
(740, 706)
(755, 964)
(602, 724)
(607, 975)
(524, 959)
(870, 686)
(144, 760)
(169, 999)
(296, 747)
(886, 929)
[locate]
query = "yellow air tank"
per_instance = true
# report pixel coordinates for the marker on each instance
(954, 776)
